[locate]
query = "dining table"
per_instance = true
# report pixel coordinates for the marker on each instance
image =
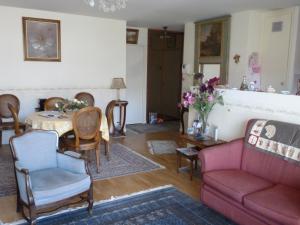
(61, 122)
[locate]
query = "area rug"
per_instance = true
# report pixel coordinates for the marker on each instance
(163, 206)
(162, 147)
(141, 128)
(123, 161)
(7, 181)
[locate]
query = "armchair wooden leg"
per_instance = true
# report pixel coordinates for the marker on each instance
(0, 138)
(90, 200)
(19, 204)
(97, 151)
(32, 215)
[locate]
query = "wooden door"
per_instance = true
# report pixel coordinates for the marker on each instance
(164, 73)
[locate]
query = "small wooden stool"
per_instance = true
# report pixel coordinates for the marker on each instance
(190, 154)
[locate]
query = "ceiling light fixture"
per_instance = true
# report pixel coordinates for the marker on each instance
(165, 35)
(107, 5)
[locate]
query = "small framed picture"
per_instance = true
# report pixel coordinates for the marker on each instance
(132, 36)
(41, 38)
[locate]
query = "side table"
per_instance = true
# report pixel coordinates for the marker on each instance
(200, 143)
(122, 116)
(188, 153)
(192, 153)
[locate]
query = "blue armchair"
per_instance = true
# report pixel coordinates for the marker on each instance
(47, 179)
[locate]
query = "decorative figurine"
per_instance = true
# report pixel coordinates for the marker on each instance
(244, 85)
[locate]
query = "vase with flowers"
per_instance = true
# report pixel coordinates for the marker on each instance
(70, 105)
(203, 101)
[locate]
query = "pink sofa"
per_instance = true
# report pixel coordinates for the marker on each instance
(250, 187)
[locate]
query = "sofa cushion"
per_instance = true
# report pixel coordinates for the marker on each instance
(55, 184)
(235, 183)
(281, 203)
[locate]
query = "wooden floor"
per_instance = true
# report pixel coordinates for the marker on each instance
(119, 186)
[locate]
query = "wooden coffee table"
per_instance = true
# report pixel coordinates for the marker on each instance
(192, 155)
(200, 143)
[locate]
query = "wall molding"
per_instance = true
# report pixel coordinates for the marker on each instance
(261, 109)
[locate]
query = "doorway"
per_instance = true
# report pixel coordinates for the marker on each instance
(165, 52)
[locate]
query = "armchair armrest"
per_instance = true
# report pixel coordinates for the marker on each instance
(72, 163)
(220, 157)
(24, 184)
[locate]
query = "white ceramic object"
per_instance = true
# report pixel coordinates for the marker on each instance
(285, 92)
(270, 89)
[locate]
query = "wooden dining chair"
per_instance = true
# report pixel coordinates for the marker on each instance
(87, 97)
(17, 125)
(86, 125)
(109, 113)
(50, 103)
(6, 114)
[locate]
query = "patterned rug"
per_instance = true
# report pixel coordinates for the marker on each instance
(141, 128)
(123, 161)
(162, 147)
(7, 181)
(159, 207)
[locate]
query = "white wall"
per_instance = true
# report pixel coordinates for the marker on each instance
(188, 55)
(296, 62)
(93, 52)
(136, 92)
(240, 106)
(244, 39)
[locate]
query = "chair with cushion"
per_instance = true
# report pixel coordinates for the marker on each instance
(87, 97)
(51, 102)
(6, 115)
(47, 179)
(86, 125)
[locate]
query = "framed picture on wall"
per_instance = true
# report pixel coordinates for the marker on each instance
(132, 36)
(212, 47)
(211, 39)
(41, 39)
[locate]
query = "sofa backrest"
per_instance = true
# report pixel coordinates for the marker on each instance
(273, 152)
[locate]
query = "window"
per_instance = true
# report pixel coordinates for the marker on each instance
(210, 70)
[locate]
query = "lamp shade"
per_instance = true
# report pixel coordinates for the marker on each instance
(118, 83)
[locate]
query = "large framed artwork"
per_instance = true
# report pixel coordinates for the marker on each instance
(41, 39)
(211, 39)
(212, 47)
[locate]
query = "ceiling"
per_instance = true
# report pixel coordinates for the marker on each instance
(156, 13)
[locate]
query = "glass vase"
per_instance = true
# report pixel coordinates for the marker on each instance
(203, 131)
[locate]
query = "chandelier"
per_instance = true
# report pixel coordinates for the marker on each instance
(108, 5)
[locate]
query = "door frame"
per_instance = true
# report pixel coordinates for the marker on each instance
(150, 31)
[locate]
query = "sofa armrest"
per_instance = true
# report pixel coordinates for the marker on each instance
(71, 163)
(220, 157)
